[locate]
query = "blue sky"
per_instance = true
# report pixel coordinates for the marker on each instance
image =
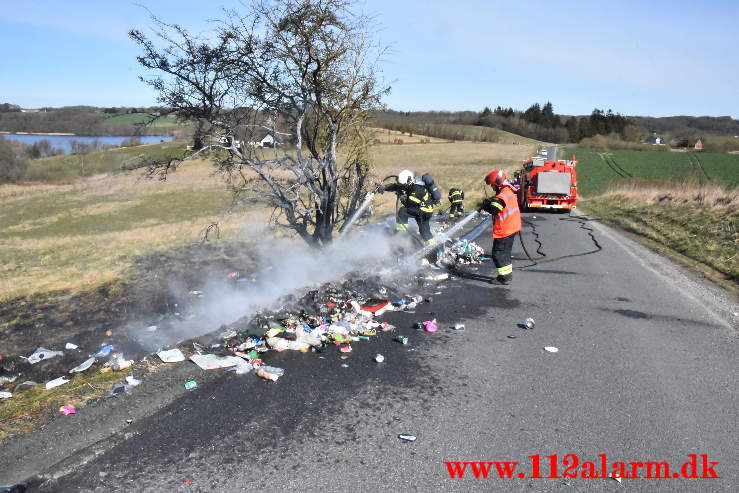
(654, 58)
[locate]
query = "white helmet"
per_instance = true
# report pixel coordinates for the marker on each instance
(405, 177)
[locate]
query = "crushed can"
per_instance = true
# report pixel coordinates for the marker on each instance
(458, 326)
(402, 339)
(407, 437)
(529, 323)
(379, 358)
(191, 384)
(418, 325)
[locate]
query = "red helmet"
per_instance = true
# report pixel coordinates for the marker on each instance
(496, 178)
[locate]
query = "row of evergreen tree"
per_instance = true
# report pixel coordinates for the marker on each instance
(541, 122)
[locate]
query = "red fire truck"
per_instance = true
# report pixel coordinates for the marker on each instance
(548, 184)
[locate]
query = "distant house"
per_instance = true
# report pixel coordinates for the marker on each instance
(229, 141)
(265, 138)
(654, 140)
(698, 145)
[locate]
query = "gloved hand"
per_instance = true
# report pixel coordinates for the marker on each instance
(379, 188)
(483, 205)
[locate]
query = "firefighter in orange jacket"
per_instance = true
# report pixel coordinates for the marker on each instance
(507, 217)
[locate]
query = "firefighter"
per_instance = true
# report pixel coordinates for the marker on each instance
(507, 217)
(418, 196)
(456, 198)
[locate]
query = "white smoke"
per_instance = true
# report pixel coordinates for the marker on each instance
(287, 266)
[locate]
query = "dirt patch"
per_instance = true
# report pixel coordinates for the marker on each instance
(156, 285)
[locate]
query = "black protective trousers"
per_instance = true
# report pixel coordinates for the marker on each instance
(456, 210)
(423, 219)
(502, 248)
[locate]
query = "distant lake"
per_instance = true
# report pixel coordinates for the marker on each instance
(63, 141)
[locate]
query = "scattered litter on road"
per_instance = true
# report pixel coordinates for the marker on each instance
(270, 373)
(511, 336)
(43, 354)
(242, 367)
(121, 363)
(119, 389)
(337, 313)
(402, 339)
(83, 366)
(28, 384)
(67, 410)
(616, 477)
(171, 356)
(56, 382)
(104, 351)
(133, 382)
(551, 349)
(5, 395)
(7, 379)
(529, 323)
(191, 384)
(102, 474)
(214, 362)
(407, 438)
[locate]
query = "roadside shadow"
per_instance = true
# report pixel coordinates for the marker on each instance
(553, 271)
(472, 276)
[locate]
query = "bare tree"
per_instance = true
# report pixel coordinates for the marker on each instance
(306, 67)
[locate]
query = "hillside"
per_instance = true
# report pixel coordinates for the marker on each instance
(85, 120)
(71, 166)
(454, 132)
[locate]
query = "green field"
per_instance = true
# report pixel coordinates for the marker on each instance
(71, 166)
(598, 169)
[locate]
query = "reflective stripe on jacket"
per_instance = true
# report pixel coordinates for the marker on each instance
(507, 221)
(456, 196)
(421, 198)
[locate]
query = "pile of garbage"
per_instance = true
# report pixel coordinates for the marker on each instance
(327, 318)
(460, 251)
(330, 316)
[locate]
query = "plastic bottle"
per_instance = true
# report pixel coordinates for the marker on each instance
(270, 373)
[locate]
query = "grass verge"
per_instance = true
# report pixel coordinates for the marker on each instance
(25, 410)
(699, 236)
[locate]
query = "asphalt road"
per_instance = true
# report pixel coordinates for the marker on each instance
(646, 371)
